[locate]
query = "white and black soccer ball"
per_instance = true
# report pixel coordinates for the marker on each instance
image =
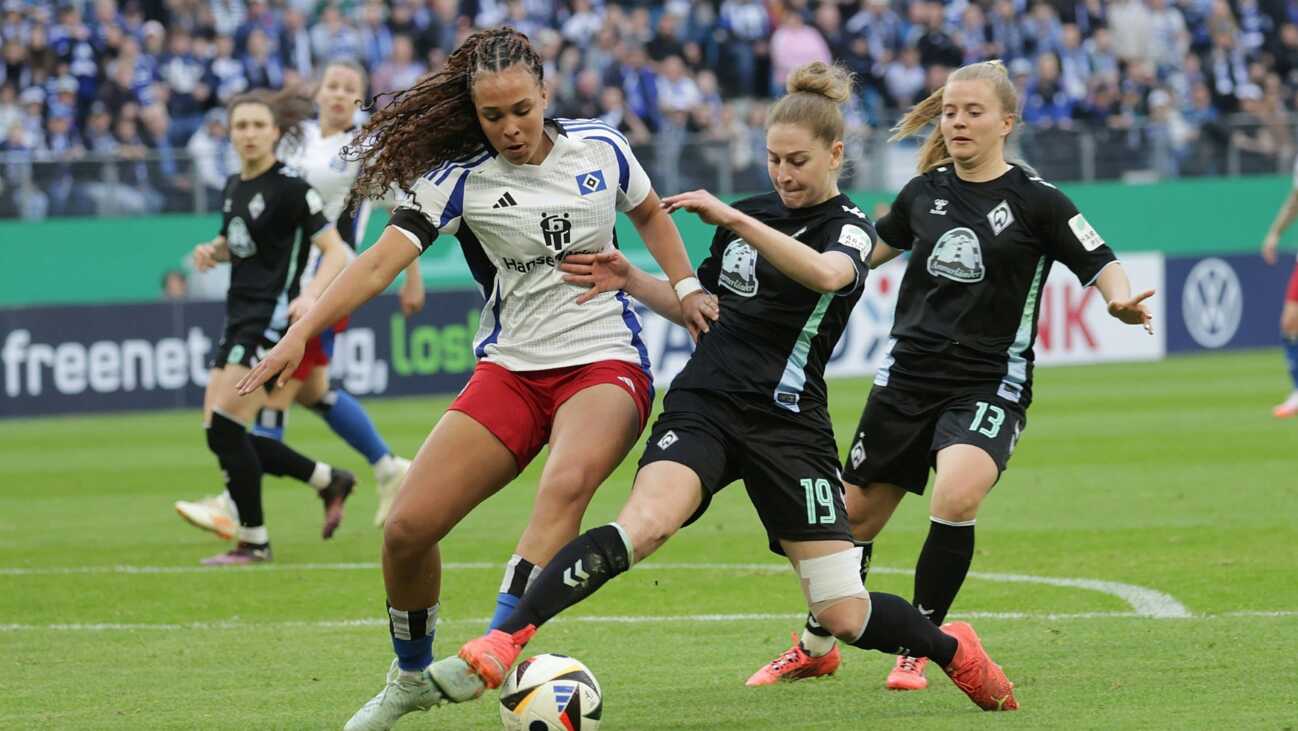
(551, 693)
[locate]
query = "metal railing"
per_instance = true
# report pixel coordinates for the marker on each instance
(34, 186)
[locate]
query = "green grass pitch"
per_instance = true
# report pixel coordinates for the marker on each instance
(1170, 477)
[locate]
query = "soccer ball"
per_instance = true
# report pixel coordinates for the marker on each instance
(551, 693)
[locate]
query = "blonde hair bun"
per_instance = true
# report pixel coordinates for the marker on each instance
(832, 82)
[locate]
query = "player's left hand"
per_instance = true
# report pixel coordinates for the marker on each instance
(1133, 311)
(607, 271)
(299, 307)
(412, 296)
(706, 206)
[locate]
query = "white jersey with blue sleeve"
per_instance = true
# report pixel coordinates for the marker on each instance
(515, 223)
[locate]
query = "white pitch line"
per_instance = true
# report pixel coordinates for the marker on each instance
(615, 619)
(1143, 601)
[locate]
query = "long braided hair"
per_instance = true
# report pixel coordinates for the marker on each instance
(435, 121)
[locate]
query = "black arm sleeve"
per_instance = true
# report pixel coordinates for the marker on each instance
(416, 223)
(854, 237)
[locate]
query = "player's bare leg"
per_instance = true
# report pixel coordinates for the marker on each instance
(590, 436)
(460, 464)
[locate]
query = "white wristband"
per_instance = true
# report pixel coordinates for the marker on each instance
(687, 287)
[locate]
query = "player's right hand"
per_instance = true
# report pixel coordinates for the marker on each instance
(1269, 245)
(607, 271)
(699, 310)
(281, 361)
(204, 257)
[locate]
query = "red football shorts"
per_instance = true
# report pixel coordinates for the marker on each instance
(1291, 292)
(518, 407)
(319, 350)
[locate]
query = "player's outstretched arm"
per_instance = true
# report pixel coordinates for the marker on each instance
(333, 257)
(610, 271)
(359, 282)
(819, 271)
(664, 242)
(1116, 288)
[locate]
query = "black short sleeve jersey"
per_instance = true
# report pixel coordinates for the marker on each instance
(267, 223)
(775, 335)
(980, 254)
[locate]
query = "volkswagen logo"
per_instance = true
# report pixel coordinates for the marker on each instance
(1212, 303)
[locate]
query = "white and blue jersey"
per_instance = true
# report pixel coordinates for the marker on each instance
(515, 224)
(318, 159)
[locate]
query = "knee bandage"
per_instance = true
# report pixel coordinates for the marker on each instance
(826, 580)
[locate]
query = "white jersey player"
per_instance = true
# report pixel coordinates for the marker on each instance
(481, 164)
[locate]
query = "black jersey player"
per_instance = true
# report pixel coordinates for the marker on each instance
(750, 405)
(953, 389)
(271, 216)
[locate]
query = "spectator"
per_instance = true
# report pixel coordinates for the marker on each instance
(583, 24)
(1132, 26)
(295, 43)
(225, 73)
(1074, 63)
(677, 92)
(257, 17)
(638, 82)
(794, 44)
(440, 27)
(183, 73)
(904, 79)
(10, 112)
(375, 37)
(1168, 41)
(332, 37)
(1047, 104)
(97, 137)
(936, 47)
(261, 68)
(744, 27)
(582, 99)
(614, 111)
(213, 156)
(401, 71)
(666, 40)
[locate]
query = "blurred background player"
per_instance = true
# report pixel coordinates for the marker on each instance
(317, 154)
(1289, 314)
(952, 393)
(480, 161)
(751, 405)
(268, 212)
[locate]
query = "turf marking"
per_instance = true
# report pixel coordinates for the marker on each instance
(1144, 602)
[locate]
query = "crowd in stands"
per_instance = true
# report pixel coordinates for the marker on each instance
(144, 81)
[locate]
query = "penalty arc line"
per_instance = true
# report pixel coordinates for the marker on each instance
(1144, 602)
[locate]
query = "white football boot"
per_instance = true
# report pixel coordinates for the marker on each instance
(215, 514)
(388, 473)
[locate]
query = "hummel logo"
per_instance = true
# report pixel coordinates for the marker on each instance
(505, 201)
(574, 576)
